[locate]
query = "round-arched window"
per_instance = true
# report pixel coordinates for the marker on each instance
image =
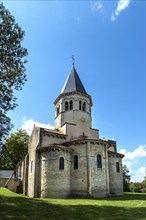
(117, 167)
(99, 161)
(84, 106)
(75, 162)
(71, 105)
(80, 105)
(58, 110)
(66, 106)
(61, 163)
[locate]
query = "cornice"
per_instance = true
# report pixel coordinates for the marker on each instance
(54, 147)
(115, 154)
(85, 139)
(73, 93)
(54, 134)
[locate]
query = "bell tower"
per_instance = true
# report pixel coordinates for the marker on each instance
(73, 105)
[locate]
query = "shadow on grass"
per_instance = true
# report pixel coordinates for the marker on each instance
(28, 208)
(129, 196)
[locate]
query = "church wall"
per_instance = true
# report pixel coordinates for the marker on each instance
(94, 133)
(115, 178)
(88, 179)
(98, 177)
(51, 139)
(68, 129)
(54, 182)
(20, 170)
(25, 175)
(74, 131)
(112, 148)
(79, 180)
(20, 175)
(34, 142)
(80, 118)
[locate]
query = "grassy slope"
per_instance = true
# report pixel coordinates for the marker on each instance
(128, 207)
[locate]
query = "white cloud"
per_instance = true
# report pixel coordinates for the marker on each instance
(122, 5)
(138, 175)
(132, 159)
(29, 124)
(96, 6)
(128, 164)
(138, 152)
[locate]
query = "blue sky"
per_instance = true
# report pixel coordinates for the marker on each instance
(108, 41)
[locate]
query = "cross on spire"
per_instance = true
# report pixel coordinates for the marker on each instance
(73, 59)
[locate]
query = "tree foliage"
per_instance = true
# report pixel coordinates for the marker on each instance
(12, 66)
(126, 179)
(14, 149)
(132, 186)
(138, 186)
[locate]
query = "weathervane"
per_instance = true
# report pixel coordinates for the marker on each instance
(73, 59)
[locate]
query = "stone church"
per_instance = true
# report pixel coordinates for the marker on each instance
(71, 160)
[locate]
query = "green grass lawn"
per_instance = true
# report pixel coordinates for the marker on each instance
(131, 206)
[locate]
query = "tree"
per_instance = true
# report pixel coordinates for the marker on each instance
(12, 67)
(138, 187)
(144, 181)
(126, 179)
(14, 149)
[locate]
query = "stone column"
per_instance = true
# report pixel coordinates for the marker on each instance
(88, 169)
(107, 169)
(25, 189)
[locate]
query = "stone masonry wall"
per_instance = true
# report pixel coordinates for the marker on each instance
(115, 178)
(99, 186)
(79, 180)
(34, 142)
(54, 182)
(88, 179)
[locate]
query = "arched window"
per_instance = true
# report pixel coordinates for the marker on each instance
(58, 110)
(75, 162)
(80, 105)
(66, 106)
(117, 167)
(99, 161)
(61, 163)
(84, 106)
(71, 105)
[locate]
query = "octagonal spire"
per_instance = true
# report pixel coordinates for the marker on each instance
(73, 83)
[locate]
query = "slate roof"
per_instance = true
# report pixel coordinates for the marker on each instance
(73, 83)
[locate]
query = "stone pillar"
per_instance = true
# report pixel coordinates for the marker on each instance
(25, 189)
(88, 169)
(107, 169)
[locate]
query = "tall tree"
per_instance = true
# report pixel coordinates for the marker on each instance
(12, 67)
(126, 179)
(14, 149)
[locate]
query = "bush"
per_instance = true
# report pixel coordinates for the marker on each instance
(138, 187)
